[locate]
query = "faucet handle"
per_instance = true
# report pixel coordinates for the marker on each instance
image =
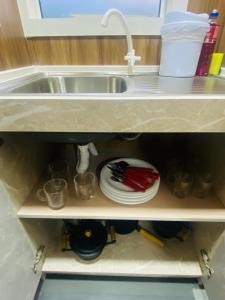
(137, 58)
(131, 57)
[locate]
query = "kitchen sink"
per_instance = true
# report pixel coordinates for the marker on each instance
(93, 84)
(73, 84)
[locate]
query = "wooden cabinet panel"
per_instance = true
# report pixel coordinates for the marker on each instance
(14, 47)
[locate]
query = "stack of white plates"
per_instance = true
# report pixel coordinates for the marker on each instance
(120, 193)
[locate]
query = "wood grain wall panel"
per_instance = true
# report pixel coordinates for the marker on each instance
(65, 50)
(96, 50)
(88, 50)
(101, 50)
(149, 49)
(14, 47)
(112, 50)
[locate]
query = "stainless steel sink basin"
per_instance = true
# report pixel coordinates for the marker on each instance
(73, 84)
(110, 84)
(44, 85)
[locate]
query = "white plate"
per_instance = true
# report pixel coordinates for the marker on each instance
(134, 195)
(118, 187)
(125, 202)
(130, 197)
(128, 202)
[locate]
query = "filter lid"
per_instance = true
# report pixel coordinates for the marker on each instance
(181, 16)
(195, 29)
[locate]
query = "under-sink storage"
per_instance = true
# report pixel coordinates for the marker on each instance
(158, 149)
(23, 162)
(131, 255)
(25, 157)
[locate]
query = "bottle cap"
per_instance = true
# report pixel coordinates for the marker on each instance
(214, 13)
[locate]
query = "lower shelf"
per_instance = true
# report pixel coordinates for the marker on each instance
(131, 255)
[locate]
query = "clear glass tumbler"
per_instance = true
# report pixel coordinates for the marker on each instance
(172, 167)
(84, 185)
(59, 169)
(54, 192)
(182, 184)
(203, 184)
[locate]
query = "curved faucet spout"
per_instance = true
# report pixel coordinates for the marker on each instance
(130, 57)
(105, 22)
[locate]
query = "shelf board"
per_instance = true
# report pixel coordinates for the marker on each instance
(165, 206)
(131, 255)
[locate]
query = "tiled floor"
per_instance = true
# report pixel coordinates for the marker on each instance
(113, 289)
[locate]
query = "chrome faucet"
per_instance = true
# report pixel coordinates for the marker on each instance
(130, 57)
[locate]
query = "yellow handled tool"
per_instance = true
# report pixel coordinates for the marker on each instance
(150, 236)
(112, 233)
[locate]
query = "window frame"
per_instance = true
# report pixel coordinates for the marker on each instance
(90, 25)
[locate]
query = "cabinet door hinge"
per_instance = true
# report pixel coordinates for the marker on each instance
(205, 259)
(40, 254)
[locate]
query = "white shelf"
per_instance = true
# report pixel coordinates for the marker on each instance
(164, 206)
(131, 255)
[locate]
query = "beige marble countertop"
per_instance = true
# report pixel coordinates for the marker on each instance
(146, 110)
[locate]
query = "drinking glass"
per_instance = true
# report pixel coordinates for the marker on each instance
(173, 165)
(84, 185)
(54, 192)
(182, 184)
(59, 169)
(203, 184)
